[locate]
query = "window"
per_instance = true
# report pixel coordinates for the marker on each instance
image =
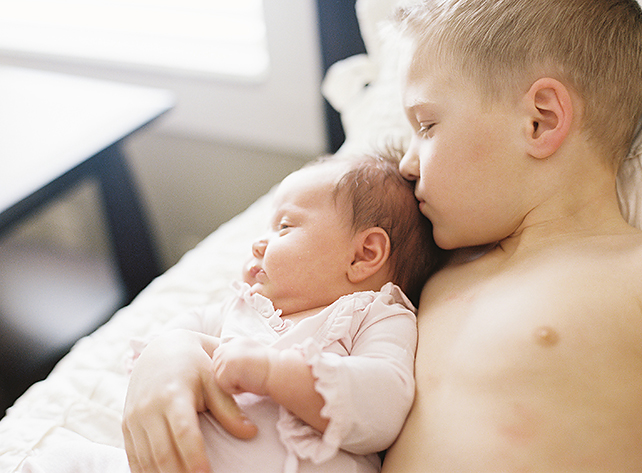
(242, 71)
(202, 37)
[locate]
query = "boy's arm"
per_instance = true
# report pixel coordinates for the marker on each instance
(206, 320)
(169, 385)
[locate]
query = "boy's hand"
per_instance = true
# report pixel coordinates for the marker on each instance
(170, 384)
(243, 365)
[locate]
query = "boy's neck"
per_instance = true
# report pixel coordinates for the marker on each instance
(592, 220)
(581, 204)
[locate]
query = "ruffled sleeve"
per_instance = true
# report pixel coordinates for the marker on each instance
(363, 361)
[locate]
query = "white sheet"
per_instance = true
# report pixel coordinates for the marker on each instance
(83, 397)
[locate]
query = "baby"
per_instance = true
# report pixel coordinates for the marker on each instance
(318, 344)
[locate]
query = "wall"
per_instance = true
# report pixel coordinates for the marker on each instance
(201, 184)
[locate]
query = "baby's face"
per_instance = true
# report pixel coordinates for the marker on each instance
(301, 262)
(467, 157)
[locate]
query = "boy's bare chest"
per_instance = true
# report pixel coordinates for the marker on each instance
(515, 361)
(531, 320)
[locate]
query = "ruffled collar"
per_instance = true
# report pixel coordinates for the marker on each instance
(263, 307)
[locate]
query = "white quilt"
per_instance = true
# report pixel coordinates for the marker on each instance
(84, 395)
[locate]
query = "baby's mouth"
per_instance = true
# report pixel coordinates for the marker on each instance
(257, 273)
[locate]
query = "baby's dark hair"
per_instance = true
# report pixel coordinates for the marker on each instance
(381, 197)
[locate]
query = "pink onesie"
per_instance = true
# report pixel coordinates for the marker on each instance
(361, 350)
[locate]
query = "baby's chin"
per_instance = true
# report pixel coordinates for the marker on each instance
(255, 286)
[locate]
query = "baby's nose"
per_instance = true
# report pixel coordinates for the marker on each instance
(258, 248)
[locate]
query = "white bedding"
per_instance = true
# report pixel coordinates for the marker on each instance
(84, 395)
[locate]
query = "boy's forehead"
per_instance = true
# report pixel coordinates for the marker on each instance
(424, 83)
(434, 80)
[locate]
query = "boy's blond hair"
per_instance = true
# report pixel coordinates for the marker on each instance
(594, 47)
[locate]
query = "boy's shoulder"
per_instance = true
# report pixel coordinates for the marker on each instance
(610, 261)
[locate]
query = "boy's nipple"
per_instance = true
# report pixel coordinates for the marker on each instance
(546, 336)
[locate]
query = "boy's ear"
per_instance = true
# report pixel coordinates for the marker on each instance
(372, 249)
(550, 111)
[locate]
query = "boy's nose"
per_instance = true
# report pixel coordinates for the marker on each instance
(409, 165)
(258, 248)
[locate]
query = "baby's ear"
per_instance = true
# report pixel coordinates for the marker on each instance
(372, 249)
(550, 111)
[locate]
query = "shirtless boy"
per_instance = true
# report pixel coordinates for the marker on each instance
(530, 356)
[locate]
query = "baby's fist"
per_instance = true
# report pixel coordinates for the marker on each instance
(243, 365)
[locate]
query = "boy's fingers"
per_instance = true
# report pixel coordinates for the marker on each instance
(225, 410)
(161, 425)
(143, 459)
(166, 443)
(189, 444)
(132, 456)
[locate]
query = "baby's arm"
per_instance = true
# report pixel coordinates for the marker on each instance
(369, 393)
(359, 401)
(244, 365)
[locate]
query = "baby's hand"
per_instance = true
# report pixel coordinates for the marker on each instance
(243, 365)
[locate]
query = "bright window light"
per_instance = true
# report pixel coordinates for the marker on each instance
(203, 37)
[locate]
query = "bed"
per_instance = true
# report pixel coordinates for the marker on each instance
(83, 397)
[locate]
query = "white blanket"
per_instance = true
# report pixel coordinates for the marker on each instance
(83, 397)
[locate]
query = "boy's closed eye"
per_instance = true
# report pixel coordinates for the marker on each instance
(425, 129)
